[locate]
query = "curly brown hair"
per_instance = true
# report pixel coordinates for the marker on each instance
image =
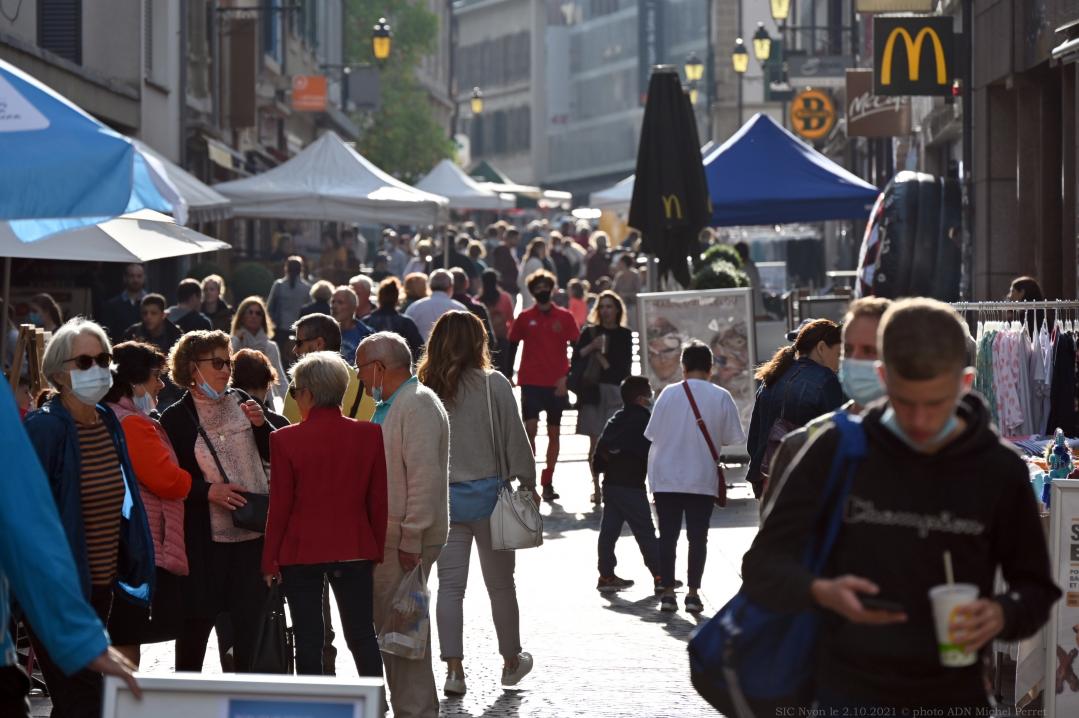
(238, 317)
(190, 347)
(458, 343)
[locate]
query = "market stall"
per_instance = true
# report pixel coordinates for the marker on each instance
(330, 181)
(463, 192)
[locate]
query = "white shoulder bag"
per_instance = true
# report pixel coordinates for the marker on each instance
(516, 521)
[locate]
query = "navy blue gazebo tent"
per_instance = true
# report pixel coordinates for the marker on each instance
(765, 175)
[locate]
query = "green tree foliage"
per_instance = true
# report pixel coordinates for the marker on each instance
(726, 252)
(402, 137)
(720, 274)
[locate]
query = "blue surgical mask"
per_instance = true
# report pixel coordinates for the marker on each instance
(91, 385)
(891, 423)
(376, 394)
(860, 380)
(35, 319)
(211, 393)
(145, 403)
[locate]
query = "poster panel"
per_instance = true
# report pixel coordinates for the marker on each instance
(1061, 696)
(721, 318)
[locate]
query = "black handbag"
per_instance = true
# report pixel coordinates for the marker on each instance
(584, 371)
(274, 649)
(252, 515)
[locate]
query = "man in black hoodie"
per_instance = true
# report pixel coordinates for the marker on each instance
(937, 478)
(622, 457)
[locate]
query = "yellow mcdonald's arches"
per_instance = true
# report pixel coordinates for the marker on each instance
(672, 206)
(914, 54)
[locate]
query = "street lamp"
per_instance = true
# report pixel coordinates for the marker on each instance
(740, 57)
(781, 10)
(381, 40)
(694, 94)
(694, 68)
(476, 103)
(762, 44)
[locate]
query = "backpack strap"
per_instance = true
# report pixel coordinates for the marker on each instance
(852, 448)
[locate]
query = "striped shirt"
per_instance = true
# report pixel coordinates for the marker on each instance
(102, 500)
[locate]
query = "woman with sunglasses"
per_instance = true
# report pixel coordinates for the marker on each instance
(82, 448)
(136, 383)
(222, 439)
(252, 329)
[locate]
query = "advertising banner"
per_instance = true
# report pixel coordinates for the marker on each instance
(870, 115)
(913, 55)
(309, 93)
(1061, 695)
(721, 318)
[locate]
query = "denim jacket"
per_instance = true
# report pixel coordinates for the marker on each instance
(804, 392)
(53, 433)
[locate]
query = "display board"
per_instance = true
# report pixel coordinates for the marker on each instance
(773, 277)
(194, 695)
(721, 318)
(1061, 695)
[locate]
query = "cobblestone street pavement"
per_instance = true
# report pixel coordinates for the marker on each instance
(595, 654)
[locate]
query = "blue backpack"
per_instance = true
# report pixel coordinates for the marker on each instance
(748, 660)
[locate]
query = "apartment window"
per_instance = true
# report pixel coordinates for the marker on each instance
(271, 31)
(59, 28)
(156, 42)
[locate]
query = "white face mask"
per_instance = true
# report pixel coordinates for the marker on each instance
(91, 385)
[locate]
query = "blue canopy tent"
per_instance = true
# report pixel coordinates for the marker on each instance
(765, 175)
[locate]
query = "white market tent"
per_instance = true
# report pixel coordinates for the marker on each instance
(330, 181)
(614, 199)
(463, 192)
(203, 203)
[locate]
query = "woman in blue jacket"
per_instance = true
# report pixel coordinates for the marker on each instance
(81, 447)
(796, 386)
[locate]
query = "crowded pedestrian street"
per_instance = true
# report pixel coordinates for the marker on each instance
(522, 359)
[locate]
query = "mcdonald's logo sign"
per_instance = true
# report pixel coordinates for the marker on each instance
(913, 56)
(672, 206)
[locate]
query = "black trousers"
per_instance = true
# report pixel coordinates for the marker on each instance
(353, 586)
(697, 510)
(14, 692)
(79, 695)
(236, 584)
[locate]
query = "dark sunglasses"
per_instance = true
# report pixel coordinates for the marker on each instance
(293, 391)
(217, 362)
(85, 361)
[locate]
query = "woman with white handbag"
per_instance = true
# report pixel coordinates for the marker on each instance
(488, 447)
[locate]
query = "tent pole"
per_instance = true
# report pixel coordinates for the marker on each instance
(4, 323)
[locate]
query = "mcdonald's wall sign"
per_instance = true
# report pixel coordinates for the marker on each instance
(913, 56)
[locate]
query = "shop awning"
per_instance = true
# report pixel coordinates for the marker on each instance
(204, 204)
(463, 192)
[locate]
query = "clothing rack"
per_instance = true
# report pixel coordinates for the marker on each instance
(1013, 306)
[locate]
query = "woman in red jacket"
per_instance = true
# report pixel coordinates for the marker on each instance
(163, 486)
(327, 516)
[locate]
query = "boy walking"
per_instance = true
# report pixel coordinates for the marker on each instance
(622, 457)
(936, 479)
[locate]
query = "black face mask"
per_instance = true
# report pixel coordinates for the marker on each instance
(542, 296)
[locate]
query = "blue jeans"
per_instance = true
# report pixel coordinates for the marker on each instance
(697, 509)
(622, 504)
(353, 588)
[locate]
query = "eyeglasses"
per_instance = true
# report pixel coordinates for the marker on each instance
(294, 390)
(85, 361)
(217, 362)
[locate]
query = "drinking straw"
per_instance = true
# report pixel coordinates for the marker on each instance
(948, 567)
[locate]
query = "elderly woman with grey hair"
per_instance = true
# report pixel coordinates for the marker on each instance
(81, 446)
(327, 517)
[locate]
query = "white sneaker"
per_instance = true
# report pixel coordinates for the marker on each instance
(524, 667)
(455, 684)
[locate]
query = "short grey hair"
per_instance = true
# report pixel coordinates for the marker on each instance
(440, 281)
(387, 347)
(59, 347)
(324, 374)
(321, 291)
(347, 291)
(364, 280)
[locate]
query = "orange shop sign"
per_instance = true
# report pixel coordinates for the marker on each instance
(309, 93)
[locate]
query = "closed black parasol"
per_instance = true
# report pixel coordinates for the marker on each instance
(670, 202)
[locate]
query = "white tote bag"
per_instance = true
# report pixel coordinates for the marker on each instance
(516, 521)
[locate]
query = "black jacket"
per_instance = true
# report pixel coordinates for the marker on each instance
(971, 498)
(619, 357)
(388, 320)
(182, 432)
(170, 333)
(622, 451)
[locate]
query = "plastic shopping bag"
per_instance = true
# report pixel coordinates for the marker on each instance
(407, 627)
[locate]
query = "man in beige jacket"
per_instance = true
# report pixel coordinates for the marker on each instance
(416, 433)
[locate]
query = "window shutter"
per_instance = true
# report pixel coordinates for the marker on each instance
(59, 28)
(148, 38)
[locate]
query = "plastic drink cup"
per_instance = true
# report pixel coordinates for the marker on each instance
(946, 599)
